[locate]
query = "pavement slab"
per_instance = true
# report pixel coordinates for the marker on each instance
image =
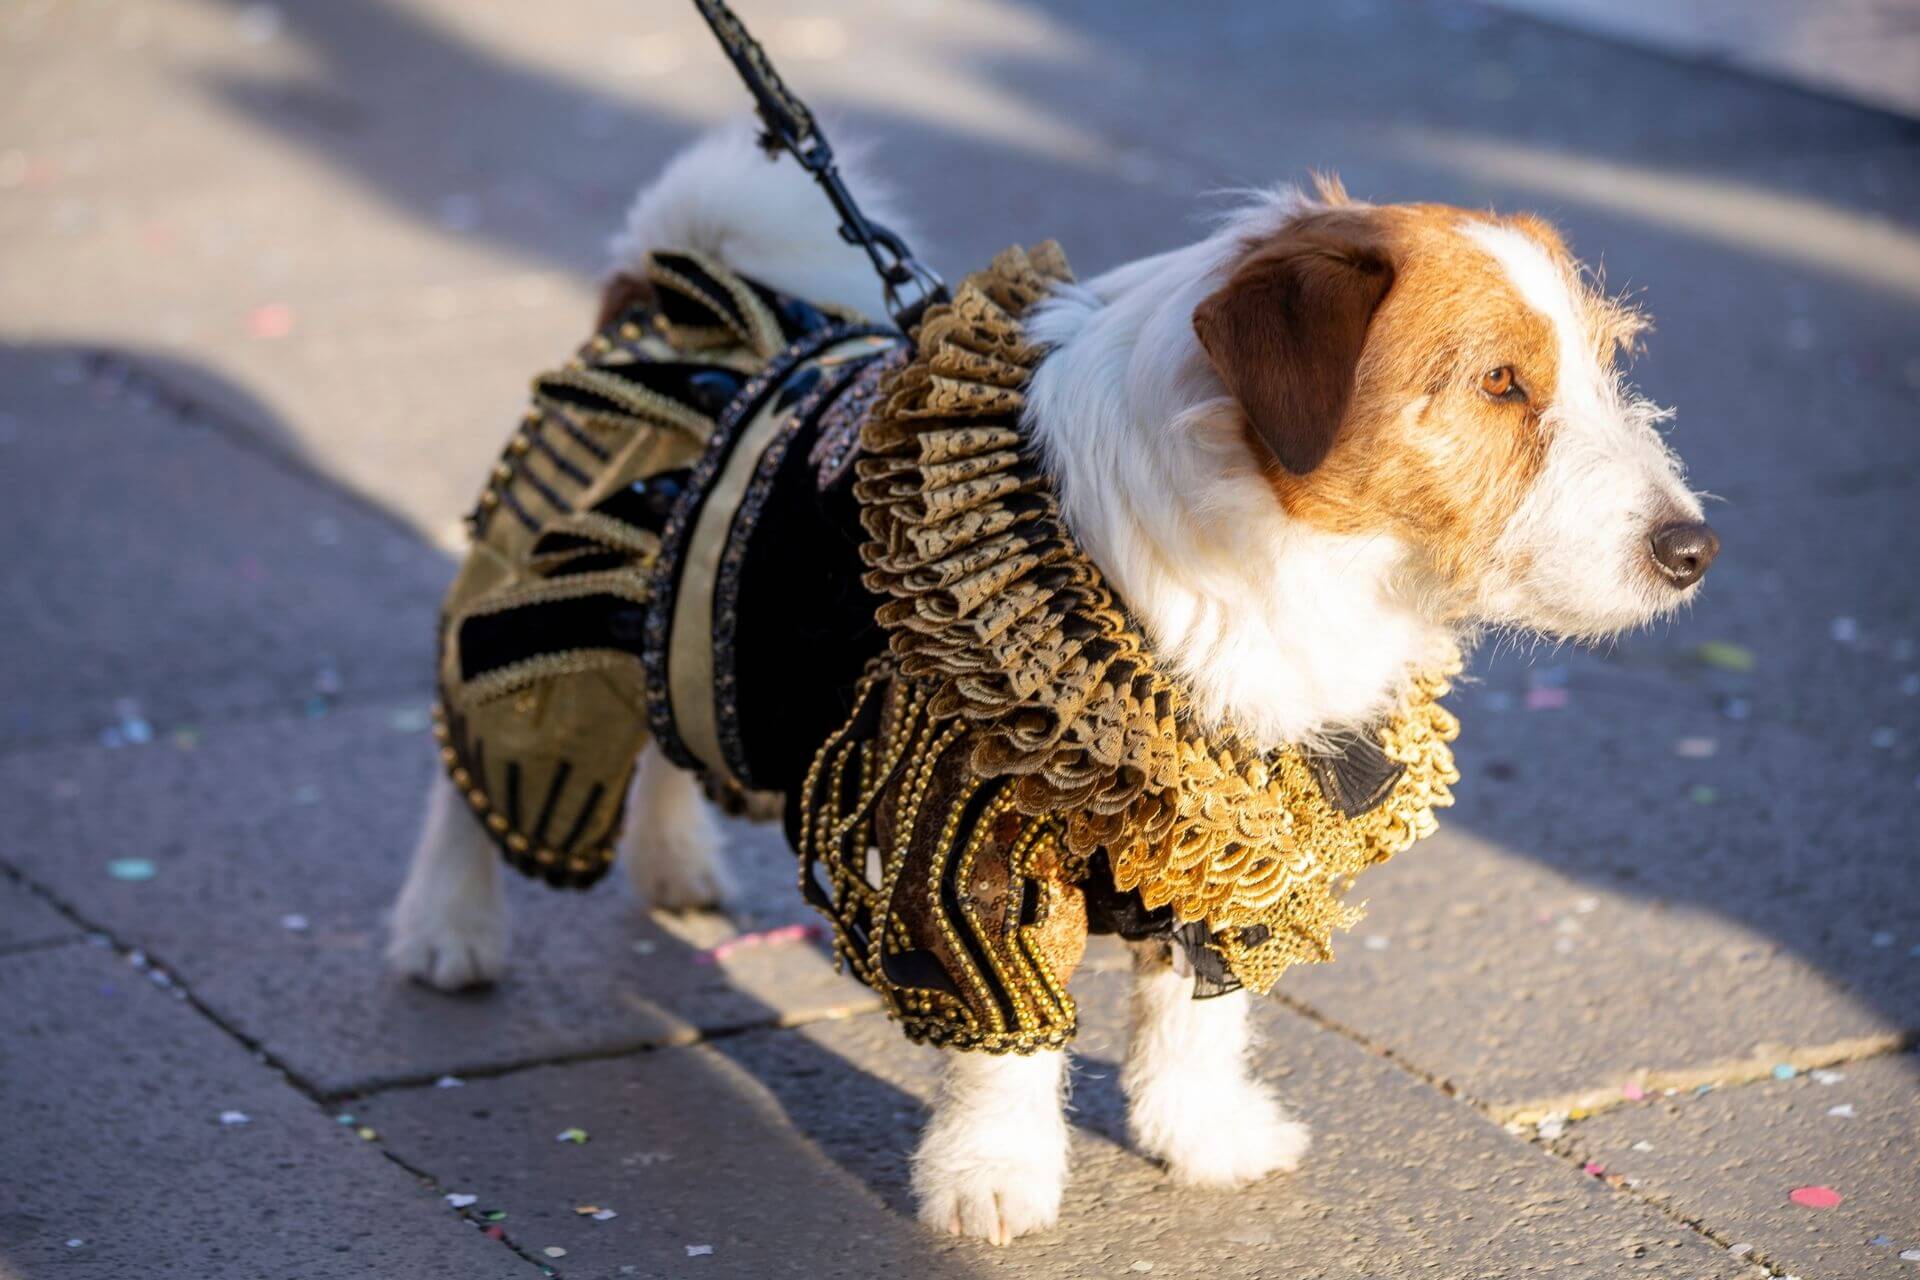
(1583, 914)
(277, 846)
(1731, 1158)
(115, 1159)
(179, 578)
(700, 1146)
(27, 920)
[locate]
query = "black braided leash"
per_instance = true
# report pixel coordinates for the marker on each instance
(911, 286)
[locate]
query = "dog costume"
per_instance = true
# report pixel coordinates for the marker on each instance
(809, 555)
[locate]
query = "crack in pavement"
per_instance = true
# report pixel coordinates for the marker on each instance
(1521, 1120)
(1579, 1104)
(164, 976)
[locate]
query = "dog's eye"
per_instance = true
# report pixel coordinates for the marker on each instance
(1499, 384)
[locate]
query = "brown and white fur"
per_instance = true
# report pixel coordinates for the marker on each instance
(1310, 451)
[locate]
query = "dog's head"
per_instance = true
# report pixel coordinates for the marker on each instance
(1450, 378)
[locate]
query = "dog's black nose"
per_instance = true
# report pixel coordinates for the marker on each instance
(1683, 550)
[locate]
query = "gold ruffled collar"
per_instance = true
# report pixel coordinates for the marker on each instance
(993, 606)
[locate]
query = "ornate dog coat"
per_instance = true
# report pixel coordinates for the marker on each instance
(809, 555)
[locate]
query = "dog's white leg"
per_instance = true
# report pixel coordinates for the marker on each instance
(671, 845)
(449, 926)
(1191, 1099)
(993, 1160)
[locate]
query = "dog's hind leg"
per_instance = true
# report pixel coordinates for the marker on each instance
(671, 845)
(1191, 1096)
(449, 925)
(993, 1160)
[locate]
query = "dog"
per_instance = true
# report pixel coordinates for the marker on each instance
(1323, 444)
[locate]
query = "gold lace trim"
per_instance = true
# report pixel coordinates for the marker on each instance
(992, 605)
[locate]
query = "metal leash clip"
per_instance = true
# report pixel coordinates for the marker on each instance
(910, 285)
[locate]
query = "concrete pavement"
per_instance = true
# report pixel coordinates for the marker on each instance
(272, 281)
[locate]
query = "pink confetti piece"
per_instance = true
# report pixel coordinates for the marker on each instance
(1593, 1169)
(1546, 698)
(270, 320)
(1633, 1093)
(1815, 1197)
(761, 938)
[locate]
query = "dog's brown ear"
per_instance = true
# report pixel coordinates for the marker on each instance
(622, 291)
(1286, 330)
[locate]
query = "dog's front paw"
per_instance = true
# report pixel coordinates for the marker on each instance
(993, 1200)
(446, 948)
(1221, 1138)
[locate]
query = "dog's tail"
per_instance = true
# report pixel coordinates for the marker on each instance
(764, 218)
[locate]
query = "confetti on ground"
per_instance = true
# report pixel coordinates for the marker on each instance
(1633, 1093)
(1143, 1266)
(758, 938)
(1844, 1111)
(1881, 1242)
(1703, 794)
(1785, 1071)
(575, 1136)
(234, 1117)
(554, 1251)
(1725, 656)
(1815, 1197)
(1827, 1077)
(1845, 630)
(1695, 748)
(495, 1233)
(1643, 1145)
(644, 948)
(130, 869)
(409, 720)
(1910, 1255)
(1740, 1250)
(605, 1215)
(1378, 942)
(1736, 708)
(448, 1082)
(1547, 698)
(699, 1250)
(494, 1215)
(343, 1118)
(75, 1243)
(367, 1133)
(461, 1200)
(1593, 1169)
(294, 923)
(270, 321)
(1553, 1126)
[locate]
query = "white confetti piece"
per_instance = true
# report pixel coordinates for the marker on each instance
(1378, 942)
(699, 1250)
(604, 1215)
(1844, 1111)
(294, 923)
(554, 1251)
(1827, 1077)
(448, 1082)
(231, 1118)
(1643, 1145)
(461, 1200)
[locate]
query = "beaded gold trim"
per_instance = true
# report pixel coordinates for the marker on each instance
(1012, 631)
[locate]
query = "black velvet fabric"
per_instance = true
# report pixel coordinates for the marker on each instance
(805, 624)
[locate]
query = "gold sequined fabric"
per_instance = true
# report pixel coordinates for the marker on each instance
(958, 909)
(543, 695)
(1019, 650)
